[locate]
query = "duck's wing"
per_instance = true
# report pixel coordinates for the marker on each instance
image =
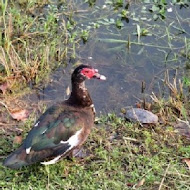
(55, 134)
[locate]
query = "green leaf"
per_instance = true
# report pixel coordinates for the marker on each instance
(155, 16)
(119, 24)
(155, 8)
(112, 21)
(162, 12)
(108, 2)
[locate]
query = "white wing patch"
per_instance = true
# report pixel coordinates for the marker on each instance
(36, 124)
(51, 161)
(28, 150)
(72, 141)
(44, 131)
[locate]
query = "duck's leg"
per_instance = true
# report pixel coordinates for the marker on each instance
(77, 153)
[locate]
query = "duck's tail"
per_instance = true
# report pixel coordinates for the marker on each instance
(17, 159)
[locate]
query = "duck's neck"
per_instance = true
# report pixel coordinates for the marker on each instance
(79, 95)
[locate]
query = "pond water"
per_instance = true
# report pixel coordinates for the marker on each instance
(130, 44)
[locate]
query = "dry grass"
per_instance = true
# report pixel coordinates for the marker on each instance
(176, 105)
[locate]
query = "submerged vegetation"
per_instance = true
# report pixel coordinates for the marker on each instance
(37, 37)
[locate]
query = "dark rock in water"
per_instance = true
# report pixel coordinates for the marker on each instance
(141, 115)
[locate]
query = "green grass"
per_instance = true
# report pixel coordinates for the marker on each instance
(120, 155)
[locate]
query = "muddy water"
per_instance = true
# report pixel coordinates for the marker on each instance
(125, 65)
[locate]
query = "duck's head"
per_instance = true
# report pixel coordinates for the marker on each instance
(83, 72)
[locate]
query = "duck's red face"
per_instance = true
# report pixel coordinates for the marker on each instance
(92, 73)
(83, 72)
(88, 72)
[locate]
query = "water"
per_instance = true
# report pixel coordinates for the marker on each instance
(160, 46)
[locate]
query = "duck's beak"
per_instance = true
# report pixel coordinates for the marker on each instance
(99, 76)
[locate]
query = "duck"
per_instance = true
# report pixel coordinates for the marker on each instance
(62, 129)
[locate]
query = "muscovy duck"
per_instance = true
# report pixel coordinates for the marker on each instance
(62, 129)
